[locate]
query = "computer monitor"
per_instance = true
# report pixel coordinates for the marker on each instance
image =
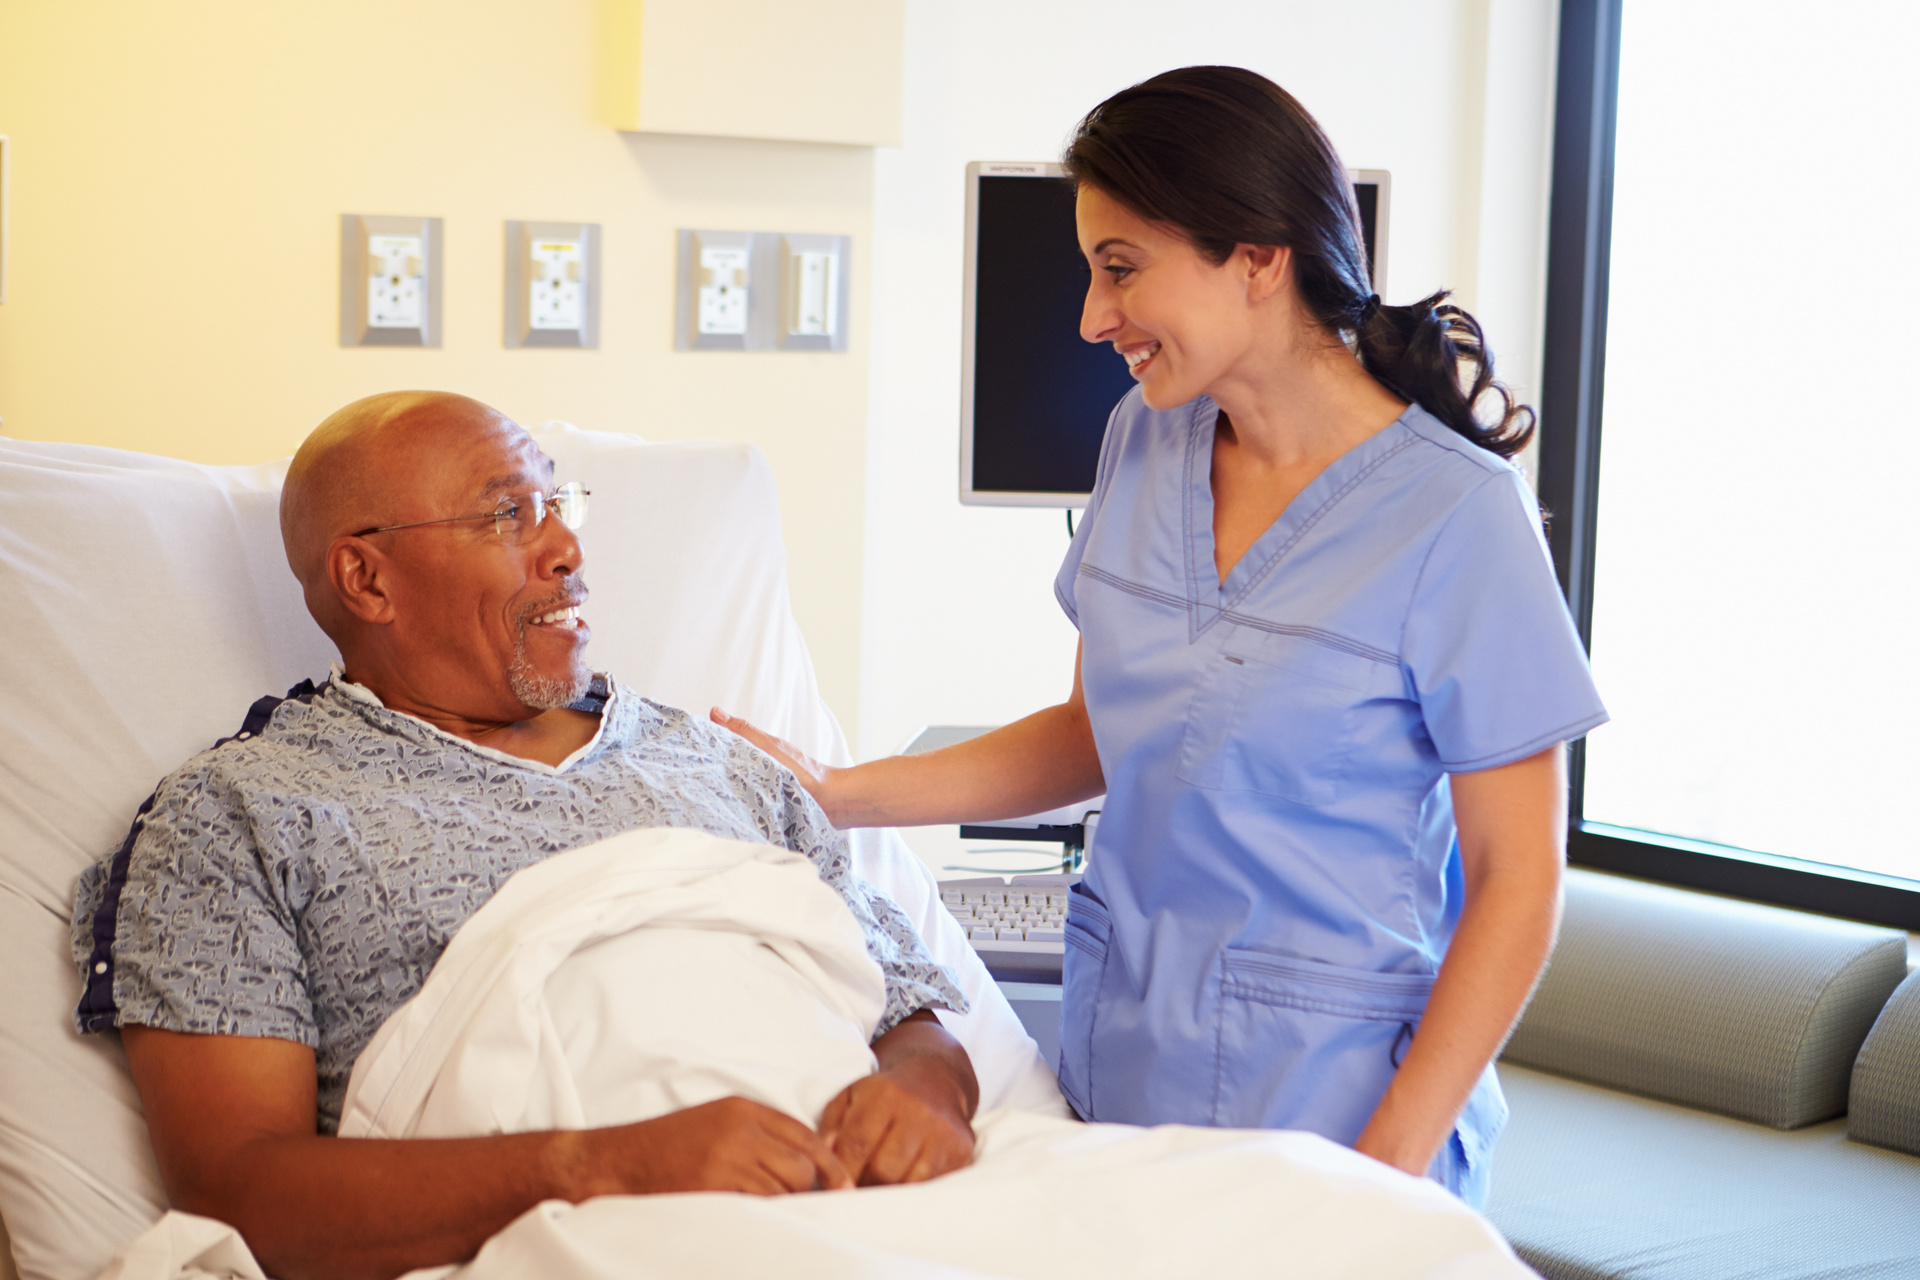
(1034, 398)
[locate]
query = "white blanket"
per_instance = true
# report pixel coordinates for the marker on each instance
(645, 973)
(658, 970)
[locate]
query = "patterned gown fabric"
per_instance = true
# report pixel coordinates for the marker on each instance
(300, 882)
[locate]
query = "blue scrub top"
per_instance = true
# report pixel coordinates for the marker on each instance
(1276, 877)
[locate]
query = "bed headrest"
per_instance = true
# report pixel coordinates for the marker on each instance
(688, 573)
(145, 602)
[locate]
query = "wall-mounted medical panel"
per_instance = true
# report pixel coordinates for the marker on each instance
(813, 292)
(714, 293)
(390, 274)
(761, 291)
(823, 71)
(553, 284)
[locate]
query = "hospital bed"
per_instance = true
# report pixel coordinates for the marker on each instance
(145, 602)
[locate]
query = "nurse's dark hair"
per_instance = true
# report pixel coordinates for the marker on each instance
(1226, 157)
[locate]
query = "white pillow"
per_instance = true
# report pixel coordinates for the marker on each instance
(145, 603)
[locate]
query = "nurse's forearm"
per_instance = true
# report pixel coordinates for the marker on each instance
(1039, 763)
(1042, 762)
(1512, 824)
(1498, 949)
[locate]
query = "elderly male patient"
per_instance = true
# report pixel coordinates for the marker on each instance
(284, 892)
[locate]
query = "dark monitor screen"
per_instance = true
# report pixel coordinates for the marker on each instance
(1036, 397)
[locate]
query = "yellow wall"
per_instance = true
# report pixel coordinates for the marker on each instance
(179, 171)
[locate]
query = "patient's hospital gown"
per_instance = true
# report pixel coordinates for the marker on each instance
(1276, 876)
(299, 880)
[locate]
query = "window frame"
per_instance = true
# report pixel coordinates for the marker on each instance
(1573, 378)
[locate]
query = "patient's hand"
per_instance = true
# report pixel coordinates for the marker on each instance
(733, 1144)
(908, 1121)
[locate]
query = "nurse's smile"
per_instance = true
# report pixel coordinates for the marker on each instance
(1180, 321)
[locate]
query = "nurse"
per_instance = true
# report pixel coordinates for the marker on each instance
(1325, 672)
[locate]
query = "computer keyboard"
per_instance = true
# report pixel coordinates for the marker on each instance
(1018, 928)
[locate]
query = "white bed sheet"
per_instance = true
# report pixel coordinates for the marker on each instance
(533, 1019)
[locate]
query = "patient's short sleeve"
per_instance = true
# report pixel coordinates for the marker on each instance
(1489, 645)
(202, 930)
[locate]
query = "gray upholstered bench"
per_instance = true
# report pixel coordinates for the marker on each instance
(1675, 1086)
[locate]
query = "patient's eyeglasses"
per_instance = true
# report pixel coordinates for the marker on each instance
(517, 520)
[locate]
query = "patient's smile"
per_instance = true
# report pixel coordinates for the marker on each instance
(568, 617)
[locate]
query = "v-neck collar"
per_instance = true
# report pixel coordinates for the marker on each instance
(1208, 597)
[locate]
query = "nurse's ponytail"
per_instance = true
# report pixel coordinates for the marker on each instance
(1227, 157)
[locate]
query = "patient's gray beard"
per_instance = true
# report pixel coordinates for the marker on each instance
(545, 692)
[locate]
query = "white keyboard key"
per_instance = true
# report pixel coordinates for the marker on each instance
(952, 897)
(1055, 934)
(1012, 935)
(982, 933)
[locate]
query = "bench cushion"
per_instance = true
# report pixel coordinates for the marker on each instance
(1589, 1183)
(1751, 1011)
(1884, 1107)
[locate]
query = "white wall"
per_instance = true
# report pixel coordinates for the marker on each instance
(1455, 99)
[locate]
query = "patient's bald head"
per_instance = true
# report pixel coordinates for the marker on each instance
(384, 516)
(369, 464)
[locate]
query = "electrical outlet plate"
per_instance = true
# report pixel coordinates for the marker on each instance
(715, 292)
(389, 281)
(553, 284)
(761, 291)
(813, 292)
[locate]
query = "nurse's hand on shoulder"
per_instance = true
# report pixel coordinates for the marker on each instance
(813, 775)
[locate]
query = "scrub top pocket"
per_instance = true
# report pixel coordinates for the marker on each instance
(1089, 929)
(1304, 1044)
(1273, 714)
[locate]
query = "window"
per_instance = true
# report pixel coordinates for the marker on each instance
(1728, 441)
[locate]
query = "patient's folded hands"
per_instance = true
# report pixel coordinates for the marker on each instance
(883, 1130)
(732, 1144)
(906, 1122)
(909, 1121)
